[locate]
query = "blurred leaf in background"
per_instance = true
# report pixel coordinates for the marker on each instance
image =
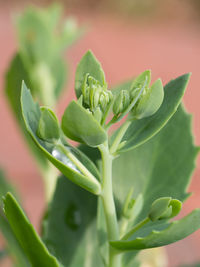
(12, 247)
(40, 63)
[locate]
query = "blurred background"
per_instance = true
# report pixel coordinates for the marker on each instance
(127, 36)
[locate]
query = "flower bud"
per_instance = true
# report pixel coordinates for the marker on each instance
(122, 101)
(164, 208)
(149, 101)
(48, 126)
(94, 94)
(104, 99)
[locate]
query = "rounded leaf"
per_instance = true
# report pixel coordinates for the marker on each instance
(164, 208)
(79, 125)
(48, 126)
(88, 65)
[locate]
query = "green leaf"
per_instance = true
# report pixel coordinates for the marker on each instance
(31, 243)
(12, 246)
(69, 229)
(5, 186)
(149, 102)
(48, 126)
(80, 125)
(35, 36)
(175, 231)
(173, 144)
(167, 161)
(142, 130)
(88, 65)
(146, 75)
(14, 77)
(59, 154)
(103, 246)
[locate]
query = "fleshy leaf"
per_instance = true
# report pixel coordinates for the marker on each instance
(13, 248)
(13, 82)
(29, 240)
(142, 130)
(173, 232)
(80, 125)
(146, 75)
(58, 154)
(150, 101)
(88, 65)
(69, 228)
(173, 143)
(48, 126)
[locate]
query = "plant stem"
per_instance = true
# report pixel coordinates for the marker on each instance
(119, 136)
(109, 205)
(50, 175)
(80, 166)
(135, 228)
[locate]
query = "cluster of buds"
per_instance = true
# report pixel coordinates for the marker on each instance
(143, 100)
(95, 97)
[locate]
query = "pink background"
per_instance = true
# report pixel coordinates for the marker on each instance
(125, 48)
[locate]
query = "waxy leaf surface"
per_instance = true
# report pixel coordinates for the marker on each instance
(14, 77)
(174, 232)
(31, 113)
(81, 126)
(69, 229)
(142, 130)
(161, 167)
(13, 247)
(88, 64)
(26, 235)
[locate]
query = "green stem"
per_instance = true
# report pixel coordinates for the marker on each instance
(79, 165)
(50, 175)
(135, 228)
(119, 136)
(109, 205)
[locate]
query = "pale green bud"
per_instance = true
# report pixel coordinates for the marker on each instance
(94, 96)
(85, 91)
(149, 101)
(164, 208)
(48, 126)
(122, 101)
(104, 99)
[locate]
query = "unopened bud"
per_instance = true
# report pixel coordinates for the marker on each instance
(48, 126)
(149, 101)
(122, 101)
(164, 208)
